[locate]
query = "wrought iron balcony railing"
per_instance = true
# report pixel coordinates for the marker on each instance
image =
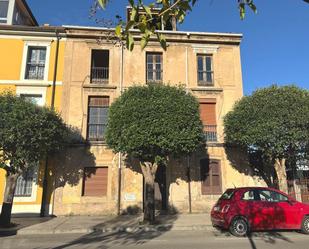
(210, 132)
(99, 75)
(205, 78)
(35, 71)
(96, 132)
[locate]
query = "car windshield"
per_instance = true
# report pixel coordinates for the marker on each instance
(227, 195)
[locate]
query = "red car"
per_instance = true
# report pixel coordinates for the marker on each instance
(242, 210)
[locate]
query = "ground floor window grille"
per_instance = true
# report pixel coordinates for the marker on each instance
(24, 184)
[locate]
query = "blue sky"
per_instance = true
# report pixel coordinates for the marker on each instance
(275, 47)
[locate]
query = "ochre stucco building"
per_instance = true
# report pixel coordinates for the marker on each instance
(208, 65)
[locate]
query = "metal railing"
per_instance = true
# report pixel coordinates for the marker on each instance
(210, 132)
(24, 185)
(205, 78)
(99, 75)
(155, 76)
(35, 71)
(96, 132)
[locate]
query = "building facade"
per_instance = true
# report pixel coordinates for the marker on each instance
(27, 68)
(208, 65)
(89, 70)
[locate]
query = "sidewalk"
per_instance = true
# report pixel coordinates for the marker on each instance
(103, 224)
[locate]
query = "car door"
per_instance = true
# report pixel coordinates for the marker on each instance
(255, 210)
(265, 218)
(287, 214)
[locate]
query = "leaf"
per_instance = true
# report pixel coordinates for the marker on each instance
(142, 27)
(130, 24)
(118, 30)
(242, 10)
(162, 40)
(144, 41)
(147, 10)
(130, 42)
(133, 14)
(103, 3)
(253, 7)
(131, 2)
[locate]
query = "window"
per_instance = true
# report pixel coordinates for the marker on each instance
(154, 69)
(34, 98)
(271, 196)
(248, 196)
(35, 65)
(4, 6)
(208, 118)
(99, 66)
(97, 117)
(204, 70)
(24, 184)
(210, 177)
(34, 94)
(228, 194)
(95, 181)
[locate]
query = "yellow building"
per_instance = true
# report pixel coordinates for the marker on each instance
(28, 67)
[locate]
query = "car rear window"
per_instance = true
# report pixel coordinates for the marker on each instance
(227, 195)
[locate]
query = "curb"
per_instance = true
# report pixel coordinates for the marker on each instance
(138, 229)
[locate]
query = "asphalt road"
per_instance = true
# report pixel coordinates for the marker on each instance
(159, 240)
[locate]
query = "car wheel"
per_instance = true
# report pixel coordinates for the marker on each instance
(305, 225)
(239, 227)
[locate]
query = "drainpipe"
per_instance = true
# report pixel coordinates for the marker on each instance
(189, 184)
(119, 156)
(55, 71)
(187, 71)
(52, 105)
(188, 157)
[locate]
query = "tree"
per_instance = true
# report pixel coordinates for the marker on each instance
(273, 122)
(152, 123)
(144, 19)
(27, 134)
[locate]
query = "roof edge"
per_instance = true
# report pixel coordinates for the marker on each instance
(238, 35)
(30, 12)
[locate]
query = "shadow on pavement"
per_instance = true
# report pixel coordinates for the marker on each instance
(138, 234)
(21, 221)
(270, 237)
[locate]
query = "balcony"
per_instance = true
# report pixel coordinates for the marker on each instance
(35, 71)
(99, 75)
(96, 132)
(210, 132)
(205, 78)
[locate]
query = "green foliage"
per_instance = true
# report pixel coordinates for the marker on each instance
(143, 17)
(272, 120)
(155, 121)
(27, 133)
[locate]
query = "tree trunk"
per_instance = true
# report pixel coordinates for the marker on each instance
(297, 190)
(5, 218)
(281, 174)
(149, 172)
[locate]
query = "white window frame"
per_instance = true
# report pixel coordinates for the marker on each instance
(25, 57)
(8, 17)
(33, 196)
(32, 90)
